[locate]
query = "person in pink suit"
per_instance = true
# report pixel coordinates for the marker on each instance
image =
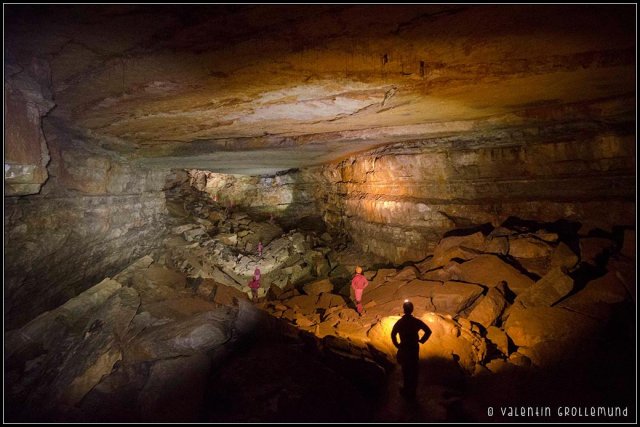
(260, 247)
(358, 284)
(254, 284)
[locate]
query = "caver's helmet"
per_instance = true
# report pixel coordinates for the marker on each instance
(359, 270)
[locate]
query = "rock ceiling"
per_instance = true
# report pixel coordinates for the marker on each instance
(265, 88)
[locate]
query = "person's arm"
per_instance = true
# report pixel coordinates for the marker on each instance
(427, 332)
(366, 282)
(394, 332)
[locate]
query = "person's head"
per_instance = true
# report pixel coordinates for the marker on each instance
(358, 270)
(256, 272)
(407, 307)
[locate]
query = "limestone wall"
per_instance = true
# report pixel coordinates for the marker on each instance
(94, 215)
(397, 201)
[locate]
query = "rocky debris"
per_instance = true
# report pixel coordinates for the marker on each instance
(206, 288)
(406, 274)
(316, 288)
(563, 256)
(126, 275)
(161, 276)
(44, 330)
(498, 245)
(498, 338)
(227, 252)
(94, 356)
(453, 297)
(108, 330)
(527, 246)
(490, 307)
(461, 247)
(596, 297)
(548, 290)
(520, 335)
(199, 333)
(490, 270)
(530, 326)
(81, 354)
(174, 323)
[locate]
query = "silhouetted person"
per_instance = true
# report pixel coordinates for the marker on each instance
(408, 348)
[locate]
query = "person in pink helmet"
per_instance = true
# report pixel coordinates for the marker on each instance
(254, 284)
(358, 284)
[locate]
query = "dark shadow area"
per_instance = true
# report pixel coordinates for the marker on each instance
(287, 375)
(485, 229)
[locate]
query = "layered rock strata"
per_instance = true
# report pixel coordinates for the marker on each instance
(95, 214)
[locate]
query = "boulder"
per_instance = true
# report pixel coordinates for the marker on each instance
(416, 288)
(381, 294)
(528, 247)
(490, 270)
(547, 236)
(45, 329)
(176, 209)
(229, 239)
(223, 278)
(455, 252)
(88, 359)
(206, 288)
(140, 264)
(450, 271)
(563, 256)
(530, 326)
(199, 333)
(537, 266)
(318, 287)
(499, 338)
(305, 304)
(454, 297)
(321, 267)
(227, 295)
(274, 292)
(595, 298)
(193, 234)
(406, 274)
(548, 290)
(498, 366)
(161, 276)
(519, 359)
(182, 228)
(304, 321)
(490, 307)
(472, 241)
(496, 245)
(327, 300)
